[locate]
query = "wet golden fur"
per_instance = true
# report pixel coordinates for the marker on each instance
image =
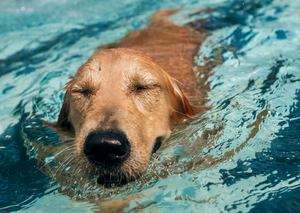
(123, 88)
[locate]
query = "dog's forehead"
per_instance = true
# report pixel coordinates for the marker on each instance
(124, 62)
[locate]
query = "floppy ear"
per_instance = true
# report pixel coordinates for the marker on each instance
(181, 106)
(62, 121)
(182, 109)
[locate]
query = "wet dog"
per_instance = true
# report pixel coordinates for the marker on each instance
(123, 103)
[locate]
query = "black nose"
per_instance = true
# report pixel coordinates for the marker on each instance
(107, 149)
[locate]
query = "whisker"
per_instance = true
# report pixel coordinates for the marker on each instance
(68, 139)
(45, 164)
(141, 178)
(154, 173)
(164, 167)
(77, 165)
(176, 140)
(67, 163)
(65, 149)
(62, 165)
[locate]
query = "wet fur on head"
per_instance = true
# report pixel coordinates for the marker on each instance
(122, 90)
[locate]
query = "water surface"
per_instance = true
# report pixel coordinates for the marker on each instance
(241, 156)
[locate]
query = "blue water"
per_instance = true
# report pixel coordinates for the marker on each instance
(241, 156)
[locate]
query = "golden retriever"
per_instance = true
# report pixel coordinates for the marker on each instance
(122, 104)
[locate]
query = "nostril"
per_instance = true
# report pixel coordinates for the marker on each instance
(118, 152)
(107, 148)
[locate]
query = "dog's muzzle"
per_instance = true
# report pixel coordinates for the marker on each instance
(107, 148)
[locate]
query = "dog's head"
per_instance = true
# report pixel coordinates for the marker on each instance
(121, 106)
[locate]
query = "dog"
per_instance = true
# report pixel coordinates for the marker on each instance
(123, 103)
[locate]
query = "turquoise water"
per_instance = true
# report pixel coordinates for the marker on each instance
(241, 156)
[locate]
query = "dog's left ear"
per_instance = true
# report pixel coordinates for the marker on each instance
(181, 106)
(182, 109)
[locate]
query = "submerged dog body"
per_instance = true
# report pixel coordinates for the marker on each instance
(122, 105)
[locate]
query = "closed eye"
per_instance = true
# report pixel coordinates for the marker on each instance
(147, 95)
(83, 90)
(141, 88)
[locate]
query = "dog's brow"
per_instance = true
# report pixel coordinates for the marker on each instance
(143, 79)
(90, 83)
(98, 67)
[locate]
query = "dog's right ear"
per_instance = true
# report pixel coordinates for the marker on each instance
(63, 119)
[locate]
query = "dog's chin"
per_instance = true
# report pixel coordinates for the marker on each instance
(110, 181)
(114, 176)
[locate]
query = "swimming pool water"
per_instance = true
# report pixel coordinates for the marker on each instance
(241, 156)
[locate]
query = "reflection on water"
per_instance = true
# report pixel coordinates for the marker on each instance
(242, 155)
